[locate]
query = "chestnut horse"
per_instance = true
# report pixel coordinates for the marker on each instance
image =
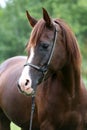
(53, 74)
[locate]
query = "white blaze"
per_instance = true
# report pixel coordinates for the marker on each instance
(25, 82)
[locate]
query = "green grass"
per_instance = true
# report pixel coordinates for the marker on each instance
(14, 127)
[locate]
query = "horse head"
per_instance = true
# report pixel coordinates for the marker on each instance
(48, 51)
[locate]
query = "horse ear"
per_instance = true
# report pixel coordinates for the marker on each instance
(46, 17)
(31, 20)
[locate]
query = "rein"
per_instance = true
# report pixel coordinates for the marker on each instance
(43, 70)
(32, 112)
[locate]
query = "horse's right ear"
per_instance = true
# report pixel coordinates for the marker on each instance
(31, 20)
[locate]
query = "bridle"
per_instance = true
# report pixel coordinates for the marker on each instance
(43, 70)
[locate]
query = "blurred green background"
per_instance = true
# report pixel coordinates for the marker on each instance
(15, 29)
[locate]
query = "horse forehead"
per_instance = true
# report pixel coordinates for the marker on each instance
(47, 35)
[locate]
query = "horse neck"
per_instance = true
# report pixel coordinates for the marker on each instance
(71, 76)
(68, 79)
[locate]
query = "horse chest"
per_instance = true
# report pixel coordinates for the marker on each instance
(51, 108)
(58, 114)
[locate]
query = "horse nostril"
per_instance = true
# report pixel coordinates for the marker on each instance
(27, 81)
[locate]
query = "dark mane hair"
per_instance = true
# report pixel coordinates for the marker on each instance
(74, 56)
(73, 51)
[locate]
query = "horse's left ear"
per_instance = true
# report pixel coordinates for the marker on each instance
(47, 18)
(31, 20)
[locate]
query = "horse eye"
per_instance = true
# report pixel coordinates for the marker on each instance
(45, 45)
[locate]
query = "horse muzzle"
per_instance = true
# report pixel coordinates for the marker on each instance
(26, 90)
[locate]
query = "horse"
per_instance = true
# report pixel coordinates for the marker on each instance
(14, 106)
(52, 73)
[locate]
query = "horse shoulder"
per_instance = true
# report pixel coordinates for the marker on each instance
(10, 66)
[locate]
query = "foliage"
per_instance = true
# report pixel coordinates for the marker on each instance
(15, 30)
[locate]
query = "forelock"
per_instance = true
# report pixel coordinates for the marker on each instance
(36, 33)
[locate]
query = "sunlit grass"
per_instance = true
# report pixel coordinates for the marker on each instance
(14, 127)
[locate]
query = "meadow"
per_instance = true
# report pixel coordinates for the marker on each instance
(14, 127)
